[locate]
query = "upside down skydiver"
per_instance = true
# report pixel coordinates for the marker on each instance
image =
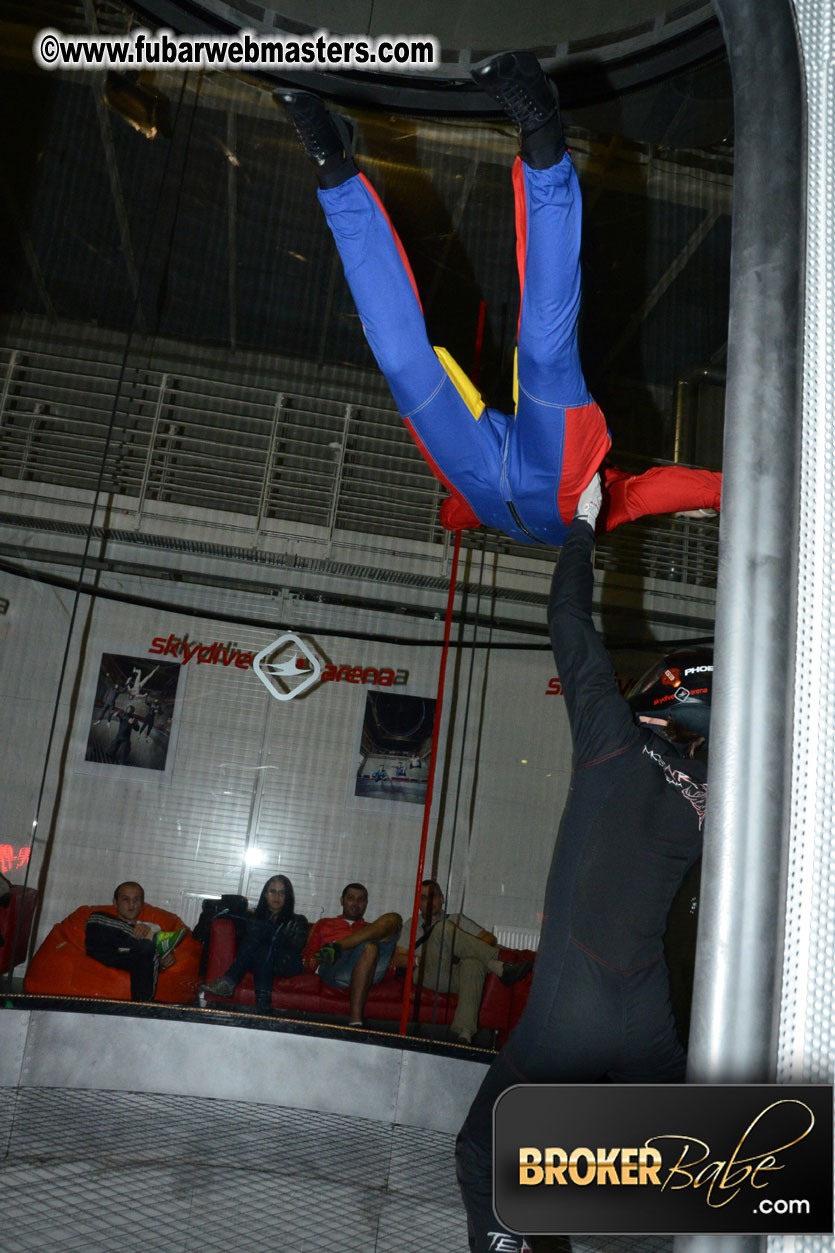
(599, 1003)
(521, 473)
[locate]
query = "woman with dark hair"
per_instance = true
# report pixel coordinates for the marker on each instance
(272, 947)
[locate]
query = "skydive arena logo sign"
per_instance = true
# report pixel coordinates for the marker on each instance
(287, 667)
(285, 675)
(673, 1159)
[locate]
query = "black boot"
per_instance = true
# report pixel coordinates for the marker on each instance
(517, 82)
(326, 138)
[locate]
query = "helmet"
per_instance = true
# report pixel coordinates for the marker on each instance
(679, 687)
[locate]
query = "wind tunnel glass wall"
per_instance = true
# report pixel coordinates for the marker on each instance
(192, 429)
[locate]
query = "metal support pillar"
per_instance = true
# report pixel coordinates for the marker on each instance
(736, 1000)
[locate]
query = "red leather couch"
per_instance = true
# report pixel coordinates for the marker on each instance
(308, 992)
(61, 966)
(21, 905)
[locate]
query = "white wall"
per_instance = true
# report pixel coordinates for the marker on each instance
(277, 775)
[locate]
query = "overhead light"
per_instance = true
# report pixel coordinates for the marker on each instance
(144, 108)
(255, 856)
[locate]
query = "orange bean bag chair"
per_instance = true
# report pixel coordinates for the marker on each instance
(61, 967)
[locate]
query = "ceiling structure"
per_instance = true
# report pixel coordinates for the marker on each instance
(598, 51)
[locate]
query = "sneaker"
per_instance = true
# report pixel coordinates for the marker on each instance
(460, 1037)
(517, 82)
(327, 138)
(221, 987)
(514, 971)
(329, 954)
(166, 941)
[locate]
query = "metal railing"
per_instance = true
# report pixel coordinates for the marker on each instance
(272, 456)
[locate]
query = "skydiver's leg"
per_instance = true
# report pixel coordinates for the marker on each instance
(561, 430)
(568, 1033)
(561, 435)
(661, 489)
(442, 423)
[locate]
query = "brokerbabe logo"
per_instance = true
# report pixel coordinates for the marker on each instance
(668, 1158)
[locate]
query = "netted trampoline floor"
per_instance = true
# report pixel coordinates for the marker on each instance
(89, 1172)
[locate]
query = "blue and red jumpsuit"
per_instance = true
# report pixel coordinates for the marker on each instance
(521, 473)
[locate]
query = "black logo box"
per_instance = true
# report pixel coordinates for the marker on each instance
(774, 1144)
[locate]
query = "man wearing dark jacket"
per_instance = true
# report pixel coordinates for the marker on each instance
(127, 943)
(632, 826)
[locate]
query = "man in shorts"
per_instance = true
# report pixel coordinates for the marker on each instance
(348, 952)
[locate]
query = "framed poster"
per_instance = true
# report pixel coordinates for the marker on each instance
(133, 713)
(394, 749)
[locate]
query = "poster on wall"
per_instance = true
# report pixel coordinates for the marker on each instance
(133, 713)
(394, 749)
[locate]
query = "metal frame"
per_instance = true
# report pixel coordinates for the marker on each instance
(736, 1000)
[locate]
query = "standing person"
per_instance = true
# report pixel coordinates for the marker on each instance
(272, 948)
(152, 709)
(455, 955)
(128, 723)
(521, 473)
(632, 826)
(348, 952)
(109, 706)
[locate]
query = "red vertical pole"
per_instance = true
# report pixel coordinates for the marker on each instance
(439, 704)
(430, 783)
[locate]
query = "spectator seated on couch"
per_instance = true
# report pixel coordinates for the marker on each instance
(125, 951)
(271, 946)
(455, 955)
(308, 994)
(348, 952)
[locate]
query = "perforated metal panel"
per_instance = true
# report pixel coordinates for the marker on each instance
(807, 1028)
(807, 1045)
